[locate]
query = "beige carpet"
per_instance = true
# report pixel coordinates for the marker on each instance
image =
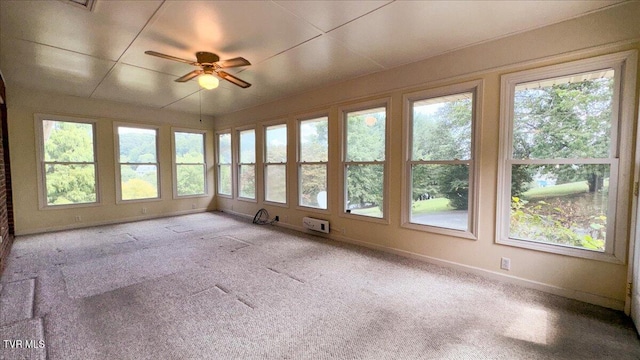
(213, 286)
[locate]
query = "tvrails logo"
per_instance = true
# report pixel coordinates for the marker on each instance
(23, 344)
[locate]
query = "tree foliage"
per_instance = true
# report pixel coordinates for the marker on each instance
(444, 134)
(71, 144)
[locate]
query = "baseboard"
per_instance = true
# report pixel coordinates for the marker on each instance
(551, 289)
(108, 222)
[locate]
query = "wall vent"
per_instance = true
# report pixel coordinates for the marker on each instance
(315, 224)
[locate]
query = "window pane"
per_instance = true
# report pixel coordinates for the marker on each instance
(276, 144)
(564, 118)
(365, 190)
(67, 141)
(70, 184)
(314, 143)
(247, 175)
(138, 181)
(248, 146)
(313, 186)
(276, 183)
(560, 204)
(440, 196)
(137, 145)
(366, 135)
(190, 179)
(224, 179)
(189, 148)
(442, 128)
(224, 148)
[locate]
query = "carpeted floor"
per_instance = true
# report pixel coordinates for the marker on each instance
(213, 286)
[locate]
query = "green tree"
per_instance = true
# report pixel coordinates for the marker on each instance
(444, 134)
(564, 121)
(366, 143)
(69, 142)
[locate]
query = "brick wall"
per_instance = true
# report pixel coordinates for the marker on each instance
(6, 201)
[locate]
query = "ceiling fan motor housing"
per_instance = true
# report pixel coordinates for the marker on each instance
(205, 57)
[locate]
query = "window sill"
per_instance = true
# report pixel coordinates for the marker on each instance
(463, 234)
(273, 203)
(68, 206)
(561, 250)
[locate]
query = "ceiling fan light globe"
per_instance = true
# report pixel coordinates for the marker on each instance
(208, 81)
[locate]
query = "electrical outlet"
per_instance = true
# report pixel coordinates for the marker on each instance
(78, 218)
(144, 210)
(193, 206)
(505, 263)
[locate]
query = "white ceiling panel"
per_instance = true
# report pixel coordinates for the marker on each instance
(319, 62)
(142, 87)
(255, 30)
(105, 32)
(328, 15)
(47, 68)
(216, 101)
(408, 31)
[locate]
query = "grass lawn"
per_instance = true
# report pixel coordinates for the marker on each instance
(372, 211)
(431, 205)
(556, 190)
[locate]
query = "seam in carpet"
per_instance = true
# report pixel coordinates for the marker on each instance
(222, 288)
(203, 291)
(245, 302)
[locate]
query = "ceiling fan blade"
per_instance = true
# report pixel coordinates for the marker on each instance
(169, 57)
(235, 62)
(232, 79)
(189, 76)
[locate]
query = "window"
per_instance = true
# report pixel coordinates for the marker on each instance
(275, 163)
(225, 182)
(138, 163)
(313, 160)
(440, 167)
(247, 164)
(190, 164)
(68, 167)
(563, 162)
(364, 161)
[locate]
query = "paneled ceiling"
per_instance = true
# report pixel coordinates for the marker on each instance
(293, 46)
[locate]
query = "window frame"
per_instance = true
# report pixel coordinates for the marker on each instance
(624, 65)
(476, 88)
(175, 164)
(343, 112)
(266, 164)
(118, 177)
(240, 164)
(300, 163)
(230, 164)
(40, 153)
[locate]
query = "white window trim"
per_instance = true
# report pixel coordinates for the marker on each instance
(217, 162)
(116, 139)
(299, 120)
(40, 173)
(342, 111)
(238, 164)
(175, 164)
(475, 87)
(625, 65)
(265, 126)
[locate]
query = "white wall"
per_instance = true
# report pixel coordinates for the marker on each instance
(603, 283)
(23, 104)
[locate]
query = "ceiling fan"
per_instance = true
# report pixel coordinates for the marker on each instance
(210, 65)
